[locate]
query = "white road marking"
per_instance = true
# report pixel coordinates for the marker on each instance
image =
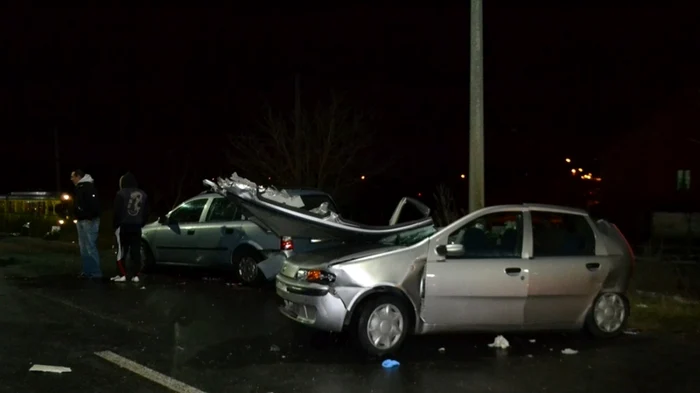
(151, 375)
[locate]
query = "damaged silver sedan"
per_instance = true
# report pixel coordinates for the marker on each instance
(502, 268)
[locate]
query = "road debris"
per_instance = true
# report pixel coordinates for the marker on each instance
(50, 369)
(532, 340)
(631, 331)
(500, 342)
(641, 305)
(390, 363)
(441, 350)
(569, 351)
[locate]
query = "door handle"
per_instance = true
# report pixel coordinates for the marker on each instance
(190, 231)
(592, 266)
(513, 271)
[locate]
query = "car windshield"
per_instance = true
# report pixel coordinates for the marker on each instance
(409, 237)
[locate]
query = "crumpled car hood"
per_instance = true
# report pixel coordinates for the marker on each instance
(282, 214)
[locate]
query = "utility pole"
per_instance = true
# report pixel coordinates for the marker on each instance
(476, 108)
(58, 161)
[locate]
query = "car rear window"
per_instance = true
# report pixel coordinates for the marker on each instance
(314, 201)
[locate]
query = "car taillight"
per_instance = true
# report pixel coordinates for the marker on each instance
(629, 248)
(286, 243)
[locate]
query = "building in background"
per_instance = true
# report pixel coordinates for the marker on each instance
(34, 213)
(653, 169)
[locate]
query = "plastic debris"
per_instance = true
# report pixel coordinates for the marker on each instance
(641, 305)
(50, 369)
(441, 350)
(143, 287)
(500, 342)
(632, 332)
(569, 351)
(274, 348)
(533, 340)
(390, 363)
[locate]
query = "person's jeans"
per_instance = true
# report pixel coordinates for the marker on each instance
(87, 238)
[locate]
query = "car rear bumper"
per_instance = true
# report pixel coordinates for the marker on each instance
(312, 306)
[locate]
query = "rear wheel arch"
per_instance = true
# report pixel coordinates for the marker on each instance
(246, 249)
(374, 293)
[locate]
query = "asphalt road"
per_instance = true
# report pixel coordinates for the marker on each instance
(192, 334)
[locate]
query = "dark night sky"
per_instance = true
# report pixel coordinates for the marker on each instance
(125, 86)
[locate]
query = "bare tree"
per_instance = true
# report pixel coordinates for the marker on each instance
(446, 212)
(329, 150)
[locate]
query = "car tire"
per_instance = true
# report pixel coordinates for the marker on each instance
(608, 315)
(147, 260)
(381, 311)
(244, 263)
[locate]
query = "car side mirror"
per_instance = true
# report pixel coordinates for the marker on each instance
(163, 220)
(454, 250)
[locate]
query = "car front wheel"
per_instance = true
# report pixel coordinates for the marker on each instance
(608, 316)
(383, 325)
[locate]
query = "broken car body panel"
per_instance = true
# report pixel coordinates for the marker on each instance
(285, 218)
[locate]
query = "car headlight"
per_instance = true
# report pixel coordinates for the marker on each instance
(318, 276)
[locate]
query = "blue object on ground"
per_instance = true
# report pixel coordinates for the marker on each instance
(390, 363)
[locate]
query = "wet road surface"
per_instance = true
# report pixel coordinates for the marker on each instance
(217, 337)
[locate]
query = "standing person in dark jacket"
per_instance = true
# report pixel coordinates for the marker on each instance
(87, 212)
(130, 215)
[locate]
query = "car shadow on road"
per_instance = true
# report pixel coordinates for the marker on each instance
(309, 346)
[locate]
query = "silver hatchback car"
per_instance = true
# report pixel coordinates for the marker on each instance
(209, 230)
(503, 268)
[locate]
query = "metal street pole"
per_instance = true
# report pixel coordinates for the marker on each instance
(476, 108)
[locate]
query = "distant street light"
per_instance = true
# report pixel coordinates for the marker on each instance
(580, 169)
(573, 171)
(463, 176)
(568, 160)
(362, 177)
(65, 197)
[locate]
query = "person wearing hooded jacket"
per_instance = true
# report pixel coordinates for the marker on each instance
(130, 215)
(87, 211)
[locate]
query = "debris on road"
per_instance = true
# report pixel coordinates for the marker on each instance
(530, 356)
(500, 342)
(532, 340)
(390, 363)
(50, 369)
(274, 348)
(641, 305)
(632, 332)
(143, 287)
(569, 351)
(441, 350)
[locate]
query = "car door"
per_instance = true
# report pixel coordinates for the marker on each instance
(565, 273)
(220, 233)
(481, 278)
(176, 242)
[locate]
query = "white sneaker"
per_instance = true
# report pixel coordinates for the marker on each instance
(118, 279)
(135, 279)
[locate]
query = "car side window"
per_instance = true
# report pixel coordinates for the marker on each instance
(189, 212)
(559, 234)
(222, 210)
(495, 235)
